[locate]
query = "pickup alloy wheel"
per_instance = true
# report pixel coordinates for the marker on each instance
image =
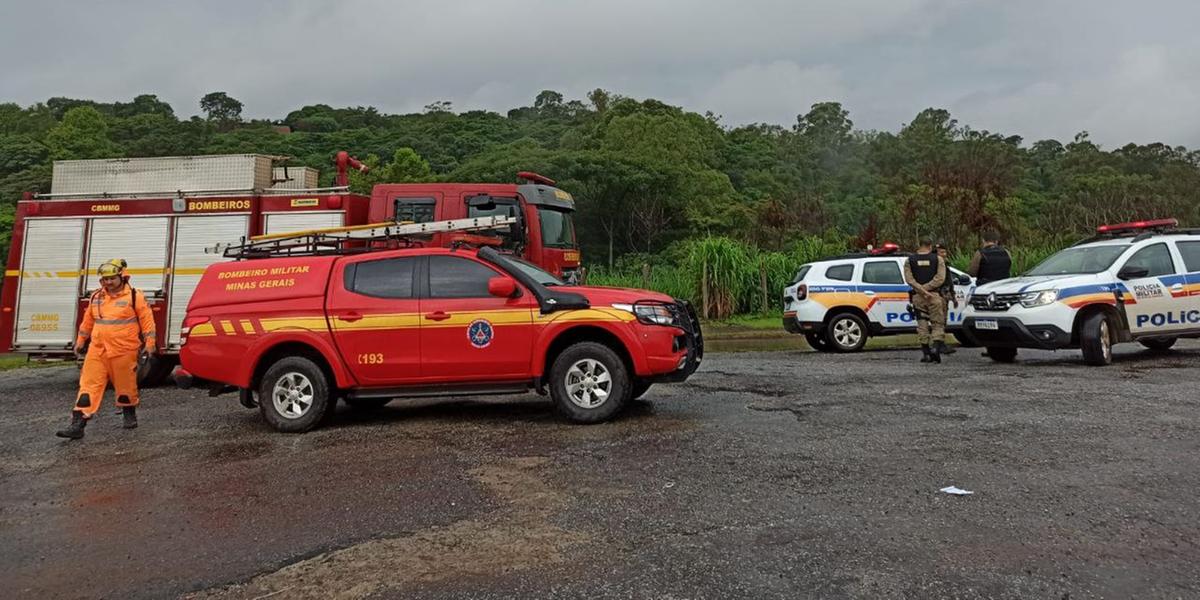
(589, 382)
(294, 395)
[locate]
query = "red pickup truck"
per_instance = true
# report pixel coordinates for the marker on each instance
(295, 334)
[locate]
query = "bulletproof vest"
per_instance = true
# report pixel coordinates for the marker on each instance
(924, 267)
(994, 264)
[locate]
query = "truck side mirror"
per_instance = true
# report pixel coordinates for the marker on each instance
(502, 287)
(1132, 272)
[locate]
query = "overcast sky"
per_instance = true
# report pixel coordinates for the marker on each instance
(1123, 70)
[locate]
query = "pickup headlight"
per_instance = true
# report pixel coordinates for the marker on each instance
(650, 314)
(1042, 298)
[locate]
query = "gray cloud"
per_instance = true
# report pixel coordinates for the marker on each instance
(1123, 71)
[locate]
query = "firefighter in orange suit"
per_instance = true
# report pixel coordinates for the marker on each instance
(118, 334)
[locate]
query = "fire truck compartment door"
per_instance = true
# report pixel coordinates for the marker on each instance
(302, 221)
(141, 241)
(192, 235)
(48, 296)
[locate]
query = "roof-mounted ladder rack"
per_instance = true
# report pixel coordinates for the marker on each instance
(349, 240)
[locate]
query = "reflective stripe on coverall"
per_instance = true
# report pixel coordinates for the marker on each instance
(118, 332)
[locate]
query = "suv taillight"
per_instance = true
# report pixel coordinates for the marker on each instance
(801, 291)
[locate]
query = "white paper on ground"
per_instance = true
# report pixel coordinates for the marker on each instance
(956, 491)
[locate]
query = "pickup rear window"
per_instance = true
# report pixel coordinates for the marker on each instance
(387, 278)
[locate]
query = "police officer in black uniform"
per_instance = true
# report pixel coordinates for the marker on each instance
(992, 262)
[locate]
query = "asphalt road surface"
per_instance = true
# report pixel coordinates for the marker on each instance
(775, 474)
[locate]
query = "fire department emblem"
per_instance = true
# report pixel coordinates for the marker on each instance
(480, 333)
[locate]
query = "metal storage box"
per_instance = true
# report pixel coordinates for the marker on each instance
(166, 174)
(297, 178)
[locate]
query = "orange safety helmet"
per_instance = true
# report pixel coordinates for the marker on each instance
(113, 267)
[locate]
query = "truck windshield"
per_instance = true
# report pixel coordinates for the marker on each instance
(533, 271)
(558, 229)
(1080, 261)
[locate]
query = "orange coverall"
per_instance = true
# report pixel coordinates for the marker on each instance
(118, 332)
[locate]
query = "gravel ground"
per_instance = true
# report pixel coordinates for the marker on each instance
(769, 474)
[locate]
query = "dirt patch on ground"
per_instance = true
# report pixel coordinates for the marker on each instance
(519, 536)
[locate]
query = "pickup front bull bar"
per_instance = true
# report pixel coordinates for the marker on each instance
(692, 340)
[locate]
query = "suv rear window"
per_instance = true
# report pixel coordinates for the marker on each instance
(1191, 255)
(801, 273)
(386, 278)
(840, 272)
(884, 271)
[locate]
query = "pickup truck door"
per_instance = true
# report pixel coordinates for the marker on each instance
(466, 333)
(373, 316)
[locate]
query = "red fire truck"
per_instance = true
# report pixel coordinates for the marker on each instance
(162, 214)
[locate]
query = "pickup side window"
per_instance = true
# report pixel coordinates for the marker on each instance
(417, 210)
(1155, 258)
(386, 278)
(840, 272)
(884, 271)
(454, 277)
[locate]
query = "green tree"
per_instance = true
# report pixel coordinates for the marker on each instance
(83, 133)
(220, 108)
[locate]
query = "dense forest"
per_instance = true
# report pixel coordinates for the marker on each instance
(661, 186)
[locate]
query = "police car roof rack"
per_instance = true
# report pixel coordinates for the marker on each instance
(350, 240)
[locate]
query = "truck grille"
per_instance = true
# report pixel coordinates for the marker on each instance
(994, 302)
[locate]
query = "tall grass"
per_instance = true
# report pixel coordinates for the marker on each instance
(736, 271)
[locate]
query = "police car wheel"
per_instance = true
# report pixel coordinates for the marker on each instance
(589, 383)
(846, 333)
(1158, 344)
(818, 342)
(294, 395)
(1095, 339)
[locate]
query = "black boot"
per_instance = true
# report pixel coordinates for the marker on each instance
(926, 357)
(74, 431)
(130, 413)
(934, 355)
(942, 348)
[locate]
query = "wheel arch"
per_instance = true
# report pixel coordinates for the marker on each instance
(1110, 312)
(564, 338)
(269, 353)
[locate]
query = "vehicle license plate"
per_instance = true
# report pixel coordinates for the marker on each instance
(987, 324)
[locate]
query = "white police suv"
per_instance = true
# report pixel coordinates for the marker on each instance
(1131, 282)
(838, 302)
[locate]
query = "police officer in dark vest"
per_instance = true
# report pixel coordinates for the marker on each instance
(992, 262)
(925, 272)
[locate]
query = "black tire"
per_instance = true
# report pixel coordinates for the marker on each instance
(309, 381)
(1158, 344)
(964, 341)
(577, 364)
(156, 371)
(846, 332)
(366, 404)
(818, 342)
(1002, 355)
(1095, 339)
(638, 389)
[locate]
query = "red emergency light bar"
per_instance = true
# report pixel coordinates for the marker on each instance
(887, 248)
(1136, 225)
(532, 177)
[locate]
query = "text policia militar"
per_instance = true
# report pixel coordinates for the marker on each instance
(257, 279)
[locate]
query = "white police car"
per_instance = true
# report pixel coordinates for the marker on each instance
(1132, 282)
(839, 302)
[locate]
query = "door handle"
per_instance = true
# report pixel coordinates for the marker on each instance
(869, 293)
(437, 316)
(1177, 287)
(350, 317)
